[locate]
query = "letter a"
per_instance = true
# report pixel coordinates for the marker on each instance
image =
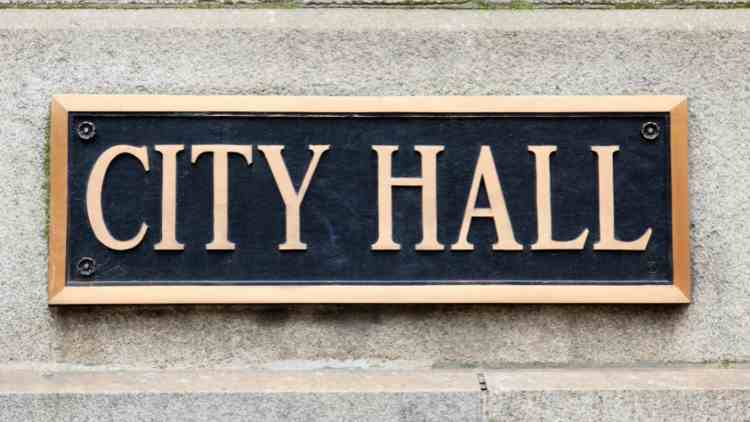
(487, 173)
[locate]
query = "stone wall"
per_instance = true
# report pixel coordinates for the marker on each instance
(699, 53)
(441, 4)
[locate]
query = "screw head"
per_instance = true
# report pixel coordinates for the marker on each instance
(86, 266)
(650, 131)
(86, 130)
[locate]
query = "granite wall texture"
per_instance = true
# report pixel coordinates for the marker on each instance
(702, 54)
(441, 4)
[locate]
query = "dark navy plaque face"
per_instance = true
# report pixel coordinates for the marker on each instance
(339, 213)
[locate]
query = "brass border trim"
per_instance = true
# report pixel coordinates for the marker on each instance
(60, 294)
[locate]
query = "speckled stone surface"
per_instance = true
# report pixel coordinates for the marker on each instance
(688, 406)
(241, 406)
(456, 4)
(99, 394)
(701, 54)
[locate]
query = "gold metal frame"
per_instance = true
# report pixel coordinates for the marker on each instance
(60, 294)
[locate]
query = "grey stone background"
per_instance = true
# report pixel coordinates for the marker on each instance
(457, 4)
(702, 54)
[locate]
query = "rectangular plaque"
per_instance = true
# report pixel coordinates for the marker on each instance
(181, 199)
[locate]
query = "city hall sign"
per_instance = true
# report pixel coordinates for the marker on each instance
(181, 199)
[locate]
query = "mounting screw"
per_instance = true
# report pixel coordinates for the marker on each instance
(86, 266)
(86, 130)
(650, 131)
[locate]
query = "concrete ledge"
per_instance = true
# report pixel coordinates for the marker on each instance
(456, 4)
(238, 395)
(693, 394)
(22, 381)
(697, 379)
(64, 380)
(541, 394)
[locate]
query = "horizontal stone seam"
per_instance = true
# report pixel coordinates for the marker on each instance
(418, 4)
(237, 392)
(371, 392)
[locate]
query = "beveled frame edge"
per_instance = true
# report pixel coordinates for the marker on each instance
(59, 294)
(58, 198)
(678, 118)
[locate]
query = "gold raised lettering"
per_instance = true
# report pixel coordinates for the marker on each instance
(607, 240)
(220, 154)
(94, 197)
(427, 182)
(544, 205)
(486, 173)
(292, 199)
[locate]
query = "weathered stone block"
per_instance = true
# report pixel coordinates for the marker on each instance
(701, 54)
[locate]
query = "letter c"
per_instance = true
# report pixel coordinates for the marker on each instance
(94, 197)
